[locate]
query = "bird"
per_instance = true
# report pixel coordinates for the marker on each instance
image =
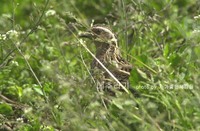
(109, 54)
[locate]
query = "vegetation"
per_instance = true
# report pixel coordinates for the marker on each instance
(45, 82)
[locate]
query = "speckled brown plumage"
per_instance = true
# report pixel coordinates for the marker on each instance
(108, 52)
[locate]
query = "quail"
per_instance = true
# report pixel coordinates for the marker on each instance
(108, 53)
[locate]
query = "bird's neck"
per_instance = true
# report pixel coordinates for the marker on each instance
(101, 49)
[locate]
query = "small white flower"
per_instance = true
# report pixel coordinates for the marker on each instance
(18, 43)
(20, 120)
(12, 34)
(4, 37)
(27, 56)
(50, 13)
(15, 63)
(196, 31)
(197, 17)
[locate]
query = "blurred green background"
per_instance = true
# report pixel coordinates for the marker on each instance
(44, 79)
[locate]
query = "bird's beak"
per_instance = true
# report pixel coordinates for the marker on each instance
(87, 34)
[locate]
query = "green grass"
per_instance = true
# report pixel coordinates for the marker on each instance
(44, 70)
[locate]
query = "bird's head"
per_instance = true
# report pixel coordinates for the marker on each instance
(100, 34)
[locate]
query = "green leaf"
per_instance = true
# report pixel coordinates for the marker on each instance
(38, 90)
(118, 104)
(13, 92)
(5, 109)
(166, 51)
(175, 60)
